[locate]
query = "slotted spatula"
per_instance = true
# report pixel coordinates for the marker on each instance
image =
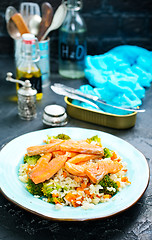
(29, 9)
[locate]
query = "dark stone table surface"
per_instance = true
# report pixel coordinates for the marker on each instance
(18, 224)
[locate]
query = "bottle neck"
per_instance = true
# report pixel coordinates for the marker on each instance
(30, 52)
(74, 5)
(27, 51)
(74, 21)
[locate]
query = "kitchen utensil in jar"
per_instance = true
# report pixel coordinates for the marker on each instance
(17, 26)
(58, 19)
(47, 16)
(34, 24)
(10, 11)
(29, 9)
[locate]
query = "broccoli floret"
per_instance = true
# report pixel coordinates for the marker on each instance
(62, 136)
(59, 136)
(47, 189)
(32, 160)
(55, 200)
(34, 189)
(107, 153)
(95, 139)
(51, 200)
(108, 182)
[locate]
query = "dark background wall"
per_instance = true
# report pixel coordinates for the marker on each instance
(109, 22)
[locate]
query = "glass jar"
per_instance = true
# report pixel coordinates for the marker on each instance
(72, 42)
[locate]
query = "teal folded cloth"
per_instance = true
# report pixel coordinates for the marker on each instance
(118, 77)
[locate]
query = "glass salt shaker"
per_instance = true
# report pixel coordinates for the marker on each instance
(54, 115)
(26, 98)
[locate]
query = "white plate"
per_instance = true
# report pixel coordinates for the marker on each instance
(11, 156)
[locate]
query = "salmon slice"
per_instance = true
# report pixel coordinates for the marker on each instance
(45, 169)
(68, 154)
(96, 171)
(78, 170)
(38, 169)
(58, 153)
(71, 154)
(81, 147)
(43, 161)
(83, 158)
(42, 149)
(53, 140)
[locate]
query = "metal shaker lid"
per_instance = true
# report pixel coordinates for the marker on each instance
(54, 110)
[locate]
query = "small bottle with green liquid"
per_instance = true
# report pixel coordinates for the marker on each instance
(27, 67)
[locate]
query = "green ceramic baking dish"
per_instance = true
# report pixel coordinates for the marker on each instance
(100, 118)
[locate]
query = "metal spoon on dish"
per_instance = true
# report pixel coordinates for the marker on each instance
(62, 87)
(63, 92)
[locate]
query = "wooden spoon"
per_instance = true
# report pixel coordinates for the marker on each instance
(16, 26)
(47, 16)
(58, 19)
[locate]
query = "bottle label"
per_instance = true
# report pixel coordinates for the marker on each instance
(36, 83)
(73, 53)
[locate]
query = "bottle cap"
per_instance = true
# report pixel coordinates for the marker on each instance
(54, 115)
(28, 38)
(75, 5)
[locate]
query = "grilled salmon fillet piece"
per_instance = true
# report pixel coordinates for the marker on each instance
(81, 147)
(46, 167)
(83, 158)
(42, 149)
(96, 171)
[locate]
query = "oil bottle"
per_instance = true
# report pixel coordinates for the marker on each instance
(27, 67)
(72, 42)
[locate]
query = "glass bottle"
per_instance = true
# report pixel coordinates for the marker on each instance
(27, 67)
(72, 42)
